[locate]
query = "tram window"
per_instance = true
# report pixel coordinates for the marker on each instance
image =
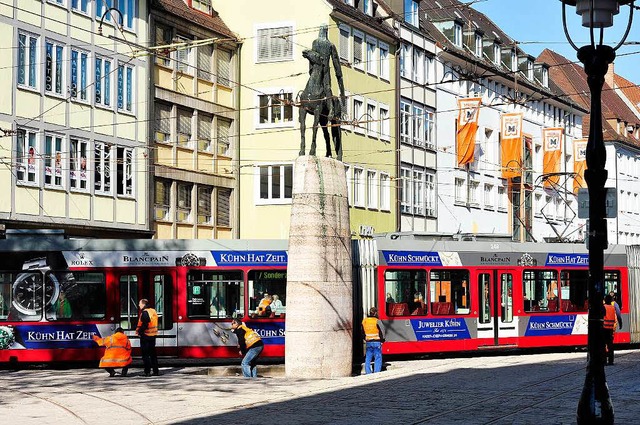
(267, 293)
(574, 290)
(540, 289)
(128, 301)
(405, 291)
(29, 295)
(6, 279)
(506, 298)
(162, 300)
(484, 288)
(449, 292)
(77, 296)
(612, 284)
(215, 295)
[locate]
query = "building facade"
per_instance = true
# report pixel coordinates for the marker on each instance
(74, 118)
(194, 106)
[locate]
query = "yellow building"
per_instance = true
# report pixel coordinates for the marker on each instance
(74, 117)
(195, 118)
(274, 73)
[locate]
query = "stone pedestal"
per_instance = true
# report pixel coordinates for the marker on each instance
(319, 325)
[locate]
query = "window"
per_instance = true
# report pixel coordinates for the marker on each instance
(184, 128)
(271, 286)
(53, 68)
(204, 132)
(372, 125)
(418, 192)
(457, 34)
(103, 81)
(460, 195)
(385, 192)
(372, 189)
(496, 53)
(223, 207)
(384, 60)
(163, 38)
(204, 205)
(383, 112)
(53, 160)
(223, 62)
(276, 182)
(502, 196)
(358, 44)
(506, 297)
(449, 292)
(358, 187)
(215, 295)
(183, 212)
(478, 45)
(205, 54)
(429, 128)
(124, 171)
(368, 7)
(124, 6)
(372, 65)
(405, 122)
(474, 186)
(162, 122)
(405, 292)
(411, 12)
(224, 132)
(125, 88)
(540, 290)
(276, 108)
(102, 167)
(406, 189)
(573, 290)
(81, 296)
(612, 284)
(488, 195)
(78, 150)
(27, 60)
(430, 194)
(345, 36)
(202, 5)
(417, 65)
(80, 5)
(275, 44)
(79, 71)
(405, 61)
(418, 126)
(6, 283)
(162, 201)
(26, 156)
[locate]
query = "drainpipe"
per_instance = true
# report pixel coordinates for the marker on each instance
(151, 154)
(397, 134)
(237, 128)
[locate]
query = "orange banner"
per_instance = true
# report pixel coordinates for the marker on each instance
(579, 163)
(552, 142)
(511, 133)
(468, 111)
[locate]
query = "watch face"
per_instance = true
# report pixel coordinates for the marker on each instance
(30, 295)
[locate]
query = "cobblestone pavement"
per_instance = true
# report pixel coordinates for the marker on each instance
(474, 389)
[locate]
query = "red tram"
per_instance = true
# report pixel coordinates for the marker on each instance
(434, 296)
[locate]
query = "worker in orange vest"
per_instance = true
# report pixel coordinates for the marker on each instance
(147, 330)
(373, 332)
(609, 325)
(250, 345)
(117, 352)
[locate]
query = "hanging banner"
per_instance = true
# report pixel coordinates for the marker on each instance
(552, 142)
(511, 133)
(468, 111)
(579, 163)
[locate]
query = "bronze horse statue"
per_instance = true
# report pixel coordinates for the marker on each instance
(325, 109)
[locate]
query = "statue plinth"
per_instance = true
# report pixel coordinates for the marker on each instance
(319, 325)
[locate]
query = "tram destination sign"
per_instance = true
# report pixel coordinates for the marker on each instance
(611, 203)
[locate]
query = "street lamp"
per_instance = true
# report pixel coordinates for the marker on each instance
(595, 405)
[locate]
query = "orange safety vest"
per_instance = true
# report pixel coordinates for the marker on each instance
(250, 336)
(117, 352)
(264, 303)
(371, 332)
(609, 317)
(152, 329)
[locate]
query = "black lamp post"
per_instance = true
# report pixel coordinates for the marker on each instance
(595, 405)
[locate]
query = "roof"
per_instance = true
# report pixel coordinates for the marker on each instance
(377, 22)
(630, 90)
(572, 81)
(179, 8)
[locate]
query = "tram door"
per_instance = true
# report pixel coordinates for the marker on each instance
(158, 288)
(495, 307)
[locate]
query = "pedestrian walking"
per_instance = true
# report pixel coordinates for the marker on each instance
(609, 325)
(117, 352)
(250, 345)
(147, 330)
(373, 332)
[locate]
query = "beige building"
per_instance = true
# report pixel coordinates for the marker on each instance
(273, 75)
(195, 122)
(73, 118)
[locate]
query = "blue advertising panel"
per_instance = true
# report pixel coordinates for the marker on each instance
(550, 325)
(440, 329)
(271, 333)
(412, 258)
(567, 260)
(56, 336)
(250, 258)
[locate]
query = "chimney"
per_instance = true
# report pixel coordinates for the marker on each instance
(609, 77)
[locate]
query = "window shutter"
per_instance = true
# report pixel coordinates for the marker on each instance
(162, 193)
(344, 44)
(204, 205)
(204, 126)
(163, 118)
(223, 212)
(264, 37)
(224, 129)
(184, 122)
(224, 67)
(204, 61)
(357, 49)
